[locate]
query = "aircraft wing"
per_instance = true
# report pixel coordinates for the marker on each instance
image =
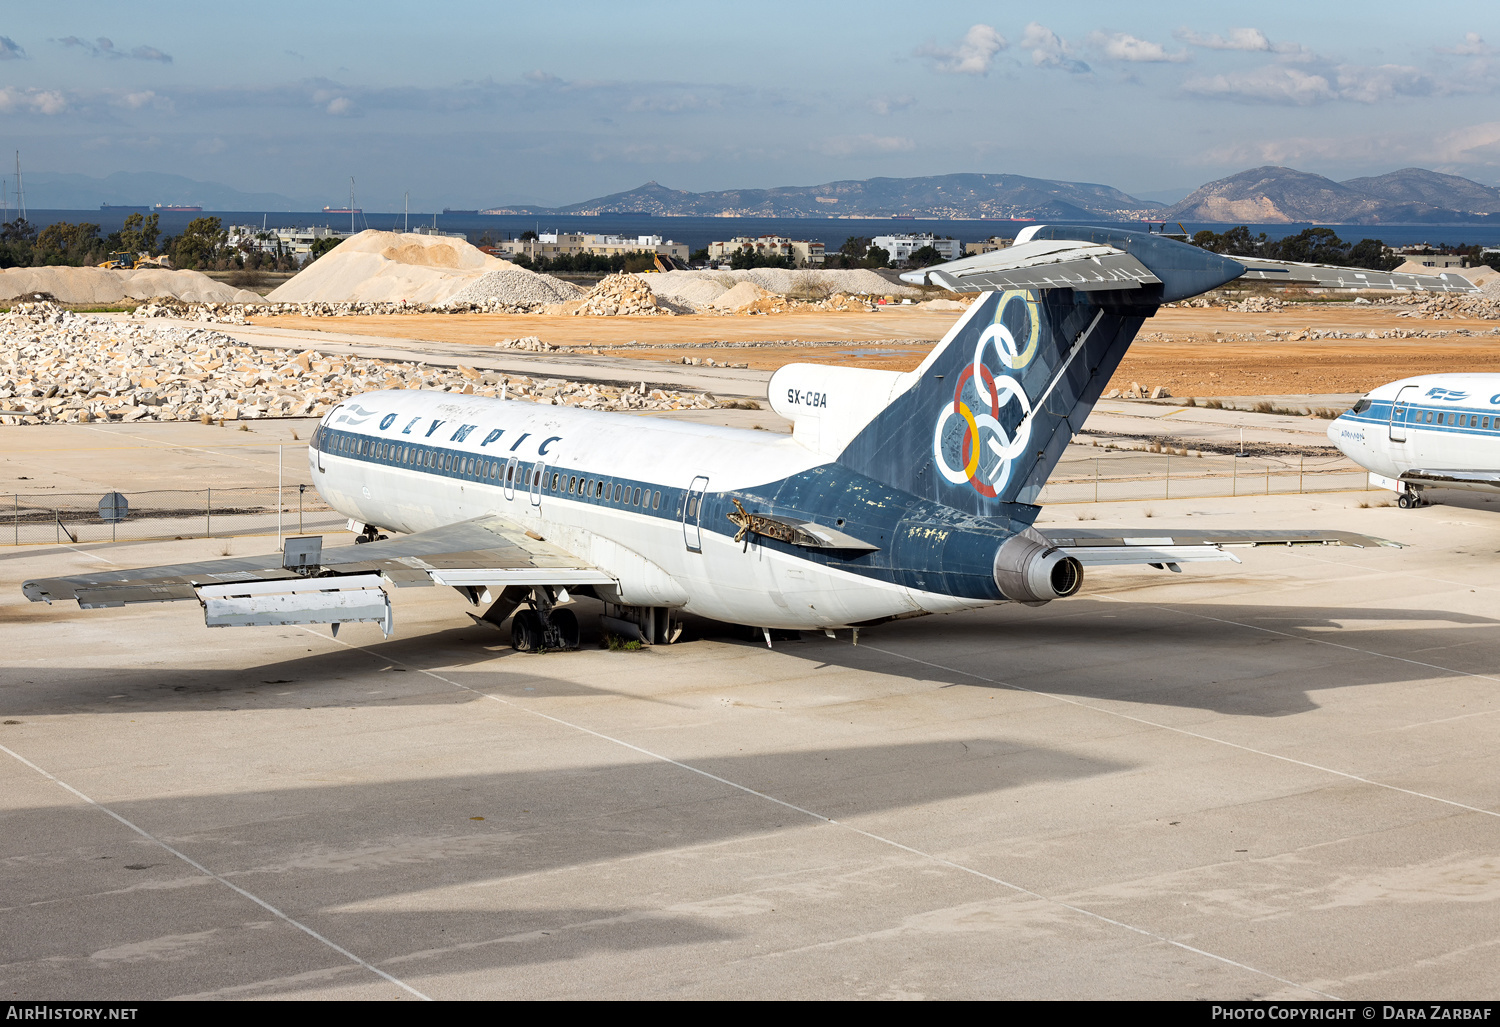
(1473, 481)
(482, 556)
(1117, 548)
(1290, 272)
(1042, 264)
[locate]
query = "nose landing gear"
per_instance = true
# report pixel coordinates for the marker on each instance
(1411, 500)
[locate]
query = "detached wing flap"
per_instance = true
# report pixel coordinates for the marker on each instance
(1473, 481)
(1106, 548)
(1290, 272)
(1043, 264)
(481, 552)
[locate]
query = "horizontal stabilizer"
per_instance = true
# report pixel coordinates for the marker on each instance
(1105, 548)
(1043, 264)
(1328, 276)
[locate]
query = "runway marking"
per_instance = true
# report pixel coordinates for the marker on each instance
(262, 903)
(1019, 889)
(1211, 738)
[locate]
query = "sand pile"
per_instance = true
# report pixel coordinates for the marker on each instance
(391, 267)
(86, 286)
(60, 367)
(621, 294)
(742, 295)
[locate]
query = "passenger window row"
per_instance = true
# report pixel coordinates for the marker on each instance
(1453, 419)
(484, 468)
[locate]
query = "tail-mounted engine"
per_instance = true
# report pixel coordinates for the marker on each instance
(1031, 570)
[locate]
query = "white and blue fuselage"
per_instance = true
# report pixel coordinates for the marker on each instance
(1439, 430)
(621, 492)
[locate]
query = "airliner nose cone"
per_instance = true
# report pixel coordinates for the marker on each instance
(1333, 434)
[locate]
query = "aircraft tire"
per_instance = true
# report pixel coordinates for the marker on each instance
(1404, 501)
(565, 624)
(526, 631)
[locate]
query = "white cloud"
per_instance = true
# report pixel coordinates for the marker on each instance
(864, 145)
(341, 106)
(10, 50)
(1049, 50)
(1472, 46)
(33, 100)
(884, 105)
(1248, 39)
(1121, 46)
(972, 56)
(1282, 84)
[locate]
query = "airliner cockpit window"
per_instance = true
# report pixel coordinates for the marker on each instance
(1361, 406)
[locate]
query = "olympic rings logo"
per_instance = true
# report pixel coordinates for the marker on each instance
(969, 428)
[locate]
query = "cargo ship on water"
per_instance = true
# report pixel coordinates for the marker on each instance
(123, 208)
(342, 210)
(177, 208)
(452, 210)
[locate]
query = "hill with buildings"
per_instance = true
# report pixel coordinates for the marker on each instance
(936, 196)
(1270, 195)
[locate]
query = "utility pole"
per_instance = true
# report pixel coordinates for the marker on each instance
(406, 213)
(351, 204)
(20, 190)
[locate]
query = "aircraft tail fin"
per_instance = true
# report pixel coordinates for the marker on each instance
(981, 423)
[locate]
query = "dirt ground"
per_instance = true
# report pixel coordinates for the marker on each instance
(1192, 351)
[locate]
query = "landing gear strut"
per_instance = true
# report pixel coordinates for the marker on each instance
(1411, 500)
(542, 625)
(370, 534)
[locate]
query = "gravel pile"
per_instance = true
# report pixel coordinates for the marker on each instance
(1257, 305)
(87, 286)
(1483, 304)
(60, 367)
(517, 287)
(705, 289)
(530, 343)
(621, 294)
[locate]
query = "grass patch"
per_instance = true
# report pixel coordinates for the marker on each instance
(615, 644)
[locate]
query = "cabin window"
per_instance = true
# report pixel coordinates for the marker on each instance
(637, 500)
(692, 507)
(1428, 419)
(1452, 418)
(555, 476)
(599, 488)
(617, 492)
(1486, 422)
(510, 473)
(656, 501)
(1463, 420)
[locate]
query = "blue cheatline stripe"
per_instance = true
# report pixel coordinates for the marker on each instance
(1479, 422)
(561, 482)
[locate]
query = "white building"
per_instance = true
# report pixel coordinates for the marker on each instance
(803, 252)
(296, 241)
(901, 247)
(551, 245)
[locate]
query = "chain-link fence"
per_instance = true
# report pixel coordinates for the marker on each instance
(1180, 480)
(165, 514)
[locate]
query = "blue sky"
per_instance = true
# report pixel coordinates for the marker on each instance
(474, 104)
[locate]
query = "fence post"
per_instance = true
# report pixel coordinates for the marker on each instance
(17, 498)
(1169, 477)
(1268, 479)
(1300, 489)
(1234, 478)
(279, 451)
(208, 530)
(1096, 479)
(300, 489)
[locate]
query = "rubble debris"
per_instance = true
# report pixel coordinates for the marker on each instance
(57, 366)
(621, 294)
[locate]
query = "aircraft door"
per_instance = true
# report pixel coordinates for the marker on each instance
(538, 475)
(692, 515)
(1399, 407)
(512, 468)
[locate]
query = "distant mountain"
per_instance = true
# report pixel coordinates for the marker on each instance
(937, 196)
(48, 190)
(1272, 194)
(1418, 185)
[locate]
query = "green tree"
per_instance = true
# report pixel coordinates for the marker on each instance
(63, 243)
(140, 233)
(200, 244)
(528, 235)
(876, 256)
(699, 256)
(925, 257)
(747, 257)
